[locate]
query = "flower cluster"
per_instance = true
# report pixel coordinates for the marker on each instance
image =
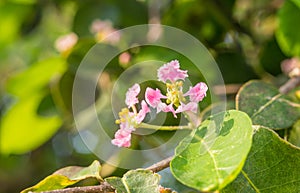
(175, 98)
(175, 101)
(130, 119)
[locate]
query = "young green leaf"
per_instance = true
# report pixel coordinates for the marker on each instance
(136, 181)
(67, 176)
(214, 154)
(266, 106)
(272, 166)
(23, 130)
(36, 77)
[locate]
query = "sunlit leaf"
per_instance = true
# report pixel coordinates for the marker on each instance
(66, 177)
(214, 154)
(36, 77)
(22, 129)
(272, 166)
(287, 31)
(266, 106)
(137, 181)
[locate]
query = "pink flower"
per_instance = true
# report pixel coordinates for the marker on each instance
(171, 71)
(141, 115)
(191, 106)
(166, 108)
(175, 98)
(122, 138)
(131, 95)
(65, 43)
(153, 97)
(129, 120)
(198, 92)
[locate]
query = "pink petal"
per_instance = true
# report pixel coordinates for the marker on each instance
(144, 110)
(153, 97)
(166, 108)
(131, 95)
(122, 138)
(198, 92)
(170, 71)
(191, 106)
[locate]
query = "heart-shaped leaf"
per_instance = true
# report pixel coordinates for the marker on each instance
(272, 166)
(67, 176)
(136, 181)
(266, 106)
(214, 154)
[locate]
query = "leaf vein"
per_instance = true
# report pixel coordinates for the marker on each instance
(273, 99)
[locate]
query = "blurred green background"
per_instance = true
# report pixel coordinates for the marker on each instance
(42, 43)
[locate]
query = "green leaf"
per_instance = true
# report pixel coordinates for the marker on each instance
(266, 106)
(287, 33)
(272, 166)
(136, 181)
(294, 136)
(36, 77)
(66, 177)
(214, 154)
(22, 129)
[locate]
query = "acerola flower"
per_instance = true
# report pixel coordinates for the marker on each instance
(170, 71)
(64, 44)
(105, 32)
(175, 98)
(131, 95)
(197, 93)
(129, 120)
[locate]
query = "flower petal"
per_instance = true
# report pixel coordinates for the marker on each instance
(153, 97)
(141, 115)
(197, 93)
(166, 108)
(131, 95)
(191, 106)
(170, 71)
(122, 138)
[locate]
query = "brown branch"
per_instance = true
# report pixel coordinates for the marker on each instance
(107, 188)
(290, 85)
(160, 165)
(103, 188)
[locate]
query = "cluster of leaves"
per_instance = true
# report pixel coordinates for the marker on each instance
(248, 40)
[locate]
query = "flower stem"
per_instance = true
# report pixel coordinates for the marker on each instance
(164, 128)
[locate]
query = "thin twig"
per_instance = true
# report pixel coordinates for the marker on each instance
(290, 85)
(102, 188)
(160, 165)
